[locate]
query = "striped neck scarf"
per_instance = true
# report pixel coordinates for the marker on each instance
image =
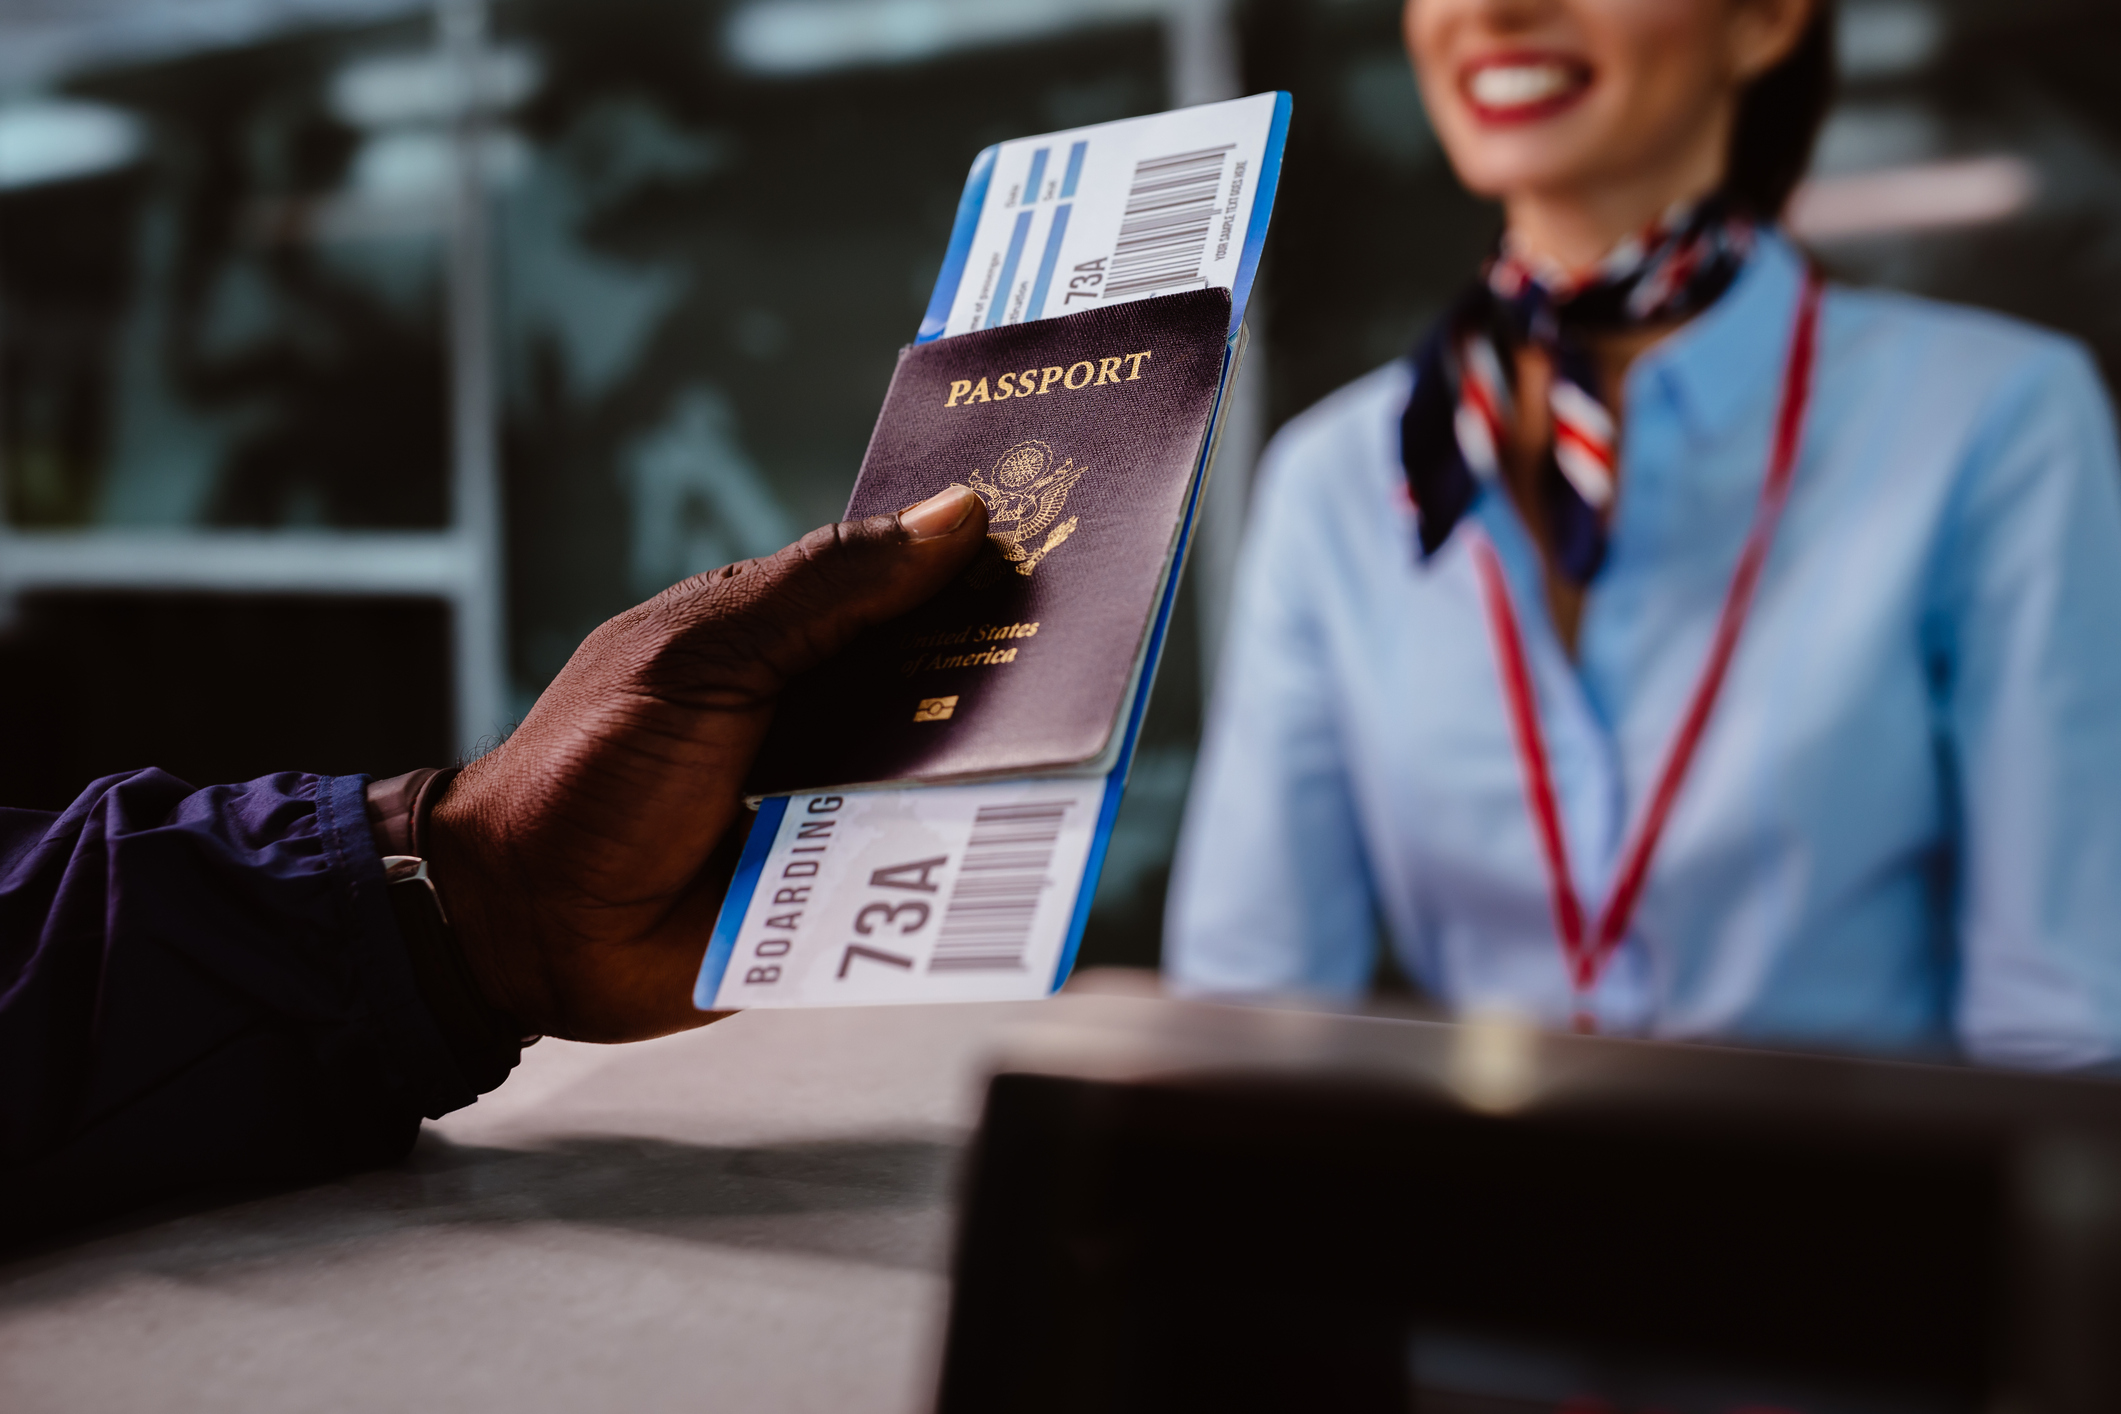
(1455, 429)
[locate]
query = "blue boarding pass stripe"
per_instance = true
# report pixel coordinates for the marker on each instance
(1010, 261)
(737, 902)
(973, 200)
(1037, 179)
(1263, 189)
(1116, 782)
(969, 205)
(1074, 173)
(1036, 309)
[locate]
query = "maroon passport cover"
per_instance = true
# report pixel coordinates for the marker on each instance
(1081, 433)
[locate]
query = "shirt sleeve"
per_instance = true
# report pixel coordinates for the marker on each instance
(1269, 893)
(2028, 642)
(201, 987)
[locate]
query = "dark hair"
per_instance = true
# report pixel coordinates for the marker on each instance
(1778, 120)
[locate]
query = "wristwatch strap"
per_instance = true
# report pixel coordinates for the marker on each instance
(397, 808)
(485, 1041)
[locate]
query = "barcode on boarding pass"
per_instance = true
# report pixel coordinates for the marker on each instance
(1008, 867)
(1163, 234)
(947, 893)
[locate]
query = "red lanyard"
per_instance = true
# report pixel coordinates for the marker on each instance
(1587, 952)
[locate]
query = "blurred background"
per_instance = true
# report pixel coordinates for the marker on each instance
(357, 357)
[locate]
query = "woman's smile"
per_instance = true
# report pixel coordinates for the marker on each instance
(1523, 86)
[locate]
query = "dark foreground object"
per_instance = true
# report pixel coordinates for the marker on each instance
(1243, 1210)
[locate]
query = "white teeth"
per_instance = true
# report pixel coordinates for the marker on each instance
(1515, 85)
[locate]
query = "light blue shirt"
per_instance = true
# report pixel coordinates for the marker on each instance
(1902, 830)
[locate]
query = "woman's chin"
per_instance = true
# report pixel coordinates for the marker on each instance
(1504, 170)
(1560, 150)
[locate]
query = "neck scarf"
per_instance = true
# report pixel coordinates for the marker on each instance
(1455, 429)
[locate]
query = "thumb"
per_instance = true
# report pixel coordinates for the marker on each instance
(761, 622)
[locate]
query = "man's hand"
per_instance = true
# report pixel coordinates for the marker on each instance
(573, 859)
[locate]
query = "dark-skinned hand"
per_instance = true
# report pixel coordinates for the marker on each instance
(574, 859)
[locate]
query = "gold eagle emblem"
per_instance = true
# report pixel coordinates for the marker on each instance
(1026, 495)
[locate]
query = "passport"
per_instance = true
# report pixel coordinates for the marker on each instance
(995, 727)
(1083, 434)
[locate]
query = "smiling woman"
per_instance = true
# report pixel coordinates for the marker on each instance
(1676, 644)
(1588, 120)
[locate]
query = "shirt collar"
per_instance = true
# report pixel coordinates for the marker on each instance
(1717, 365)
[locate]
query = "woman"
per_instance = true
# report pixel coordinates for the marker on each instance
(1672, 647)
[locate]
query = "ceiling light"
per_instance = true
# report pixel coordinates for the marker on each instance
(1883, 38)
(812, 36)
(62, 140)
(1927, 196)
(421, 87)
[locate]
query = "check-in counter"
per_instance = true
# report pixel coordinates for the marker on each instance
(1170, 1206)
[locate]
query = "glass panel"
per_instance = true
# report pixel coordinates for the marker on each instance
(220, 306)
(1973, 156)
(706, 272)
(220, 289)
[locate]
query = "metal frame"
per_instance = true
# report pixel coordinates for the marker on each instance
(461, 566)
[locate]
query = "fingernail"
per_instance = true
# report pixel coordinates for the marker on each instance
(940, 514)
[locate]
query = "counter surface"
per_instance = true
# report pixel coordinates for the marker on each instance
(752, 1216)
